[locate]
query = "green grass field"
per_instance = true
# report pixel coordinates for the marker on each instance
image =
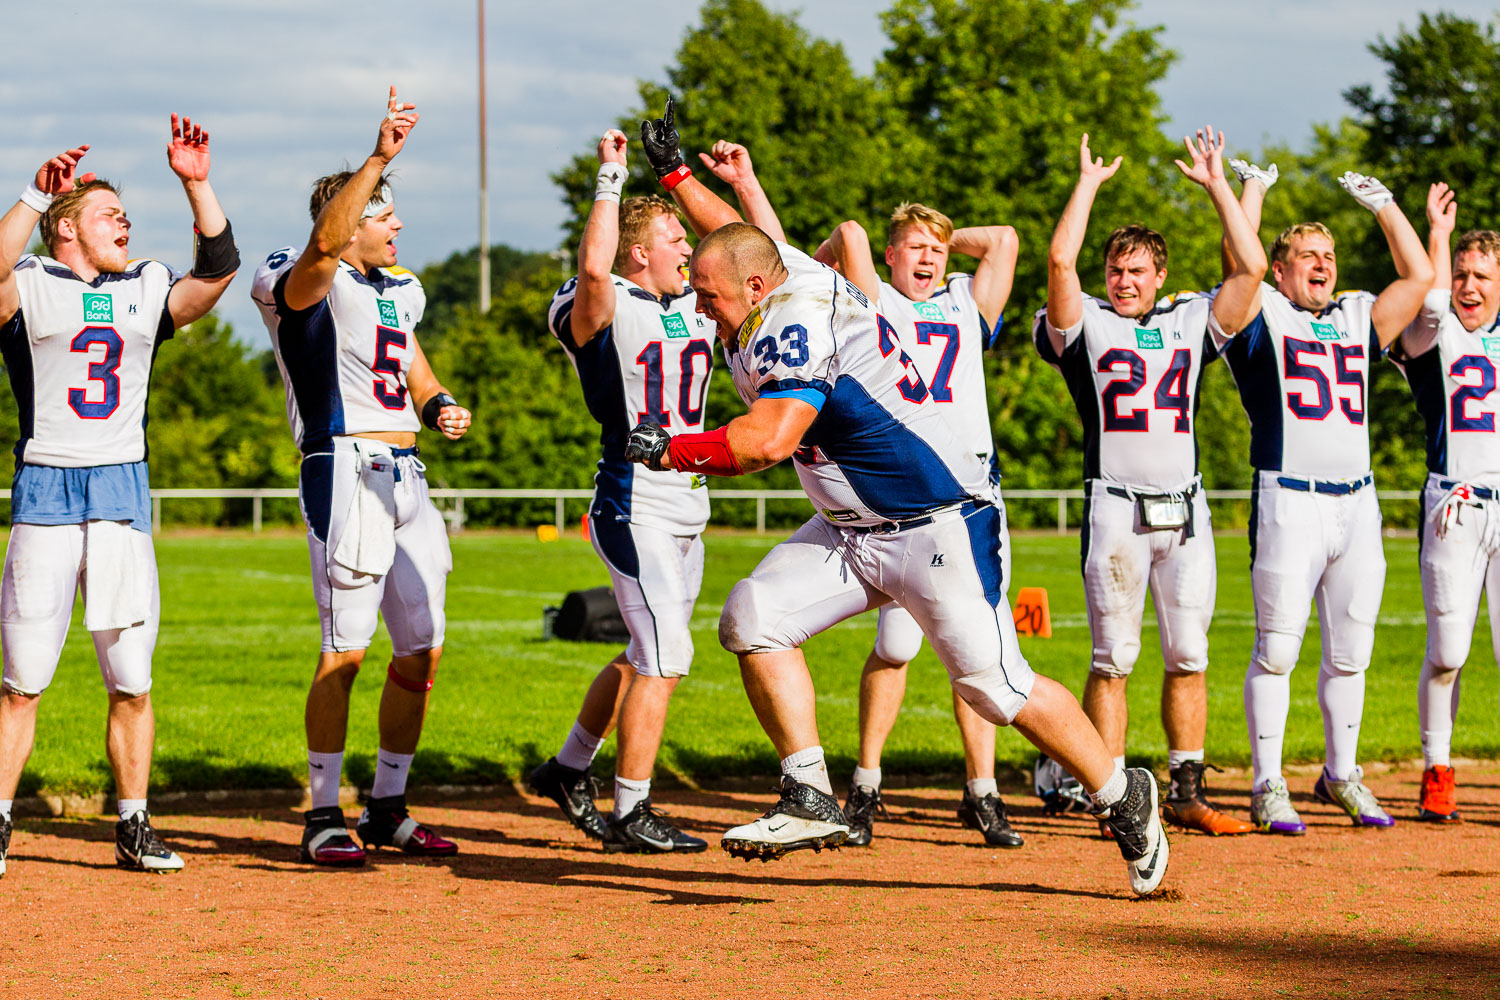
(239, 633)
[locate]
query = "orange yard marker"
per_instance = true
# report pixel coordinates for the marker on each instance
(584, 527)
(1032, 615)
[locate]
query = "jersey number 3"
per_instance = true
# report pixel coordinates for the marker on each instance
(102, 372)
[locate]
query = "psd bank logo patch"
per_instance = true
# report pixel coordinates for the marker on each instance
(674, 325)
(98, 308)
(1148, 340)
(929, 310)
(388, 313)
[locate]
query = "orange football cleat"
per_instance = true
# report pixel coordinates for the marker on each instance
(1187, 804)
(1439, 796)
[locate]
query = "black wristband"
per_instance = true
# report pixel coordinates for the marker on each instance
(434, 406)
(215, 257)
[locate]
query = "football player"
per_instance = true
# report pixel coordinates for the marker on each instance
(80, 326)
(342, 318)
(642, 352)
(945, 323)
(1133, 367)
(1449, 356)
(1302, 369)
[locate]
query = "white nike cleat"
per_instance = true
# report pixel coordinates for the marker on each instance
(1136, 824)
(803, 818)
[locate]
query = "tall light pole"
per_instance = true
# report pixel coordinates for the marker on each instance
(484, 184)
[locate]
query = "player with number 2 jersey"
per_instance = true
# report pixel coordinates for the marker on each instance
(80, 327)
(1449, 355)
(1133, 367)
(1302, 369)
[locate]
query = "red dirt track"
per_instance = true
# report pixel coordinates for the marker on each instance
(531, 909)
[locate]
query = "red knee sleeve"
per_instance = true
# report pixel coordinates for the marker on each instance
(406, 683)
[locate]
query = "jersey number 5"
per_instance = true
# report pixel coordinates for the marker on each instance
(102, 372)
(385, 338)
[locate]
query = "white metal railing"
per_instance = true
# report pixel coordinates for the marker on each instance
(455, 514)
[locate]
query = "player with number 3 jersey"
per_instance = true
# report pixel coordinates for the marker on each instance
(1302, 369)
(1449, 355)
(342, 320)
(80, 327)
(944, 323)
(1133, 367)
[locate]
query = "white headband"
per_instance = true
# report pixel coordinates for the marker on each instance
(382, 200)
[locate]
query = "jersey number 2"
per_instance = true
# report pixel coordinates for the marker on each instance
(102, 372)
(1459, 418)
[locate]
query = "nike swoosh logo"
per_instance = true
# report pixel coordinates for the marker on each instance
(1150, 869)
(776, 829)
(318, 767)
(394, 767)
(1265, 737)
(660, 845)
(700, 461)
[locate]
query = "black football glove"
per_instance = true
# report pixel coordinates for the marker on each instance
(660, 140)
(647, 444)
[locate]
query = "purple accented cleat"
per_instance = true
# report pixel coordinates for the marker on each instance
(1271, 810)
(1354, 798)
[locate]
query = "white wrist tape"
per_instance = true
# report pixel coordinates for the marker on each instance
(35, 198)
(610, 182)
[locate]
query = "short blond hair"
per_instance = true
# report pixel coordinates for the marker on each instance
(70, 206)
(1128, 239)
(909, 214)
(745, 249)
(636, 216)
(324, 188)
(1482, 240)
(1281, 250)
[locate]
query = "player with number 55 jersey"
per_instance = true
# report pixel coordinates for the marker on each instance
(80, 327)
(1302, 369)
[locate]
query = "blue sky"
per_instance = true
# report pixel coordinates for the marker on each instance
(293, 90)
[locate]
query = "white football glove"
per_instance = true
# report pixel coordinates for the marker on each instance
(1368, 191)
(1245, 170)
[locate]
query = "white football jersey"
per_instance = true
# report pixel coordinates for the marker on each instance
(343, 361)
(1135, 383)
(652, 363)
(945, 336)
(79, 355)
(880, 448)
(1304, 383)
(1451, 373)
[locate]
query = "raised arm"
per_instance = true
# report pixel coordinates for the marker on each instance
(594, 299)
(439, 410)
(996, 249)
(1239, 297)
(1399, 304)
(1442, 219)
(1064, 291)
(730, 163)
(1255, 181)
(215, 257)
(847, 251)
(312, 275)
(705, 210)
(53, 178)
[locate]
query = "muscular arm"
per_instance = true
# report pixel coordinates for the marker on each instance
(1064, 291)
(768, 432)
(847, 250)
(1238, 300)
(996, 248)
(1442, 219)
(594, 298)
(730, 162)
(192, 297)
(705, 210)
(53, 178)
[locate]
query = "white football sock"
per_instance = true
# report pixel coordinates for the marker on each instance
(391, 770)
(1176, 758)
(1437, 709)
(323, 772)
(867, 777)
(5, 807)
(1112, 791)
(1120, 761)
(1268, 698)
(1437, 748)
(629, 794)
(1342, 697)
(129, 807)
(579, 748)
(808, 767)
(980, 787)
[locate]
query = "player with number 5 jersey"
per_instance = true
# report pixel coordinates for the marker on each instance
(1302, 369)
(1449, 355)
(342, 320)
(80, 327)
(1133, 367)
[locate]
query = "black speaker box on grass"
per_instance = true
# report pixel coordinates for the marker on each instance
(590, 616)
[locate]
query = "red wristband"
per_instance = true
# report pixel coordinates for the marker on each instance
(707, 452)
(676, 177)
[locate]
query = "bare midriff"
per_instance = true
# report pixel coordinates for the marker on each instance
(398, 439)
